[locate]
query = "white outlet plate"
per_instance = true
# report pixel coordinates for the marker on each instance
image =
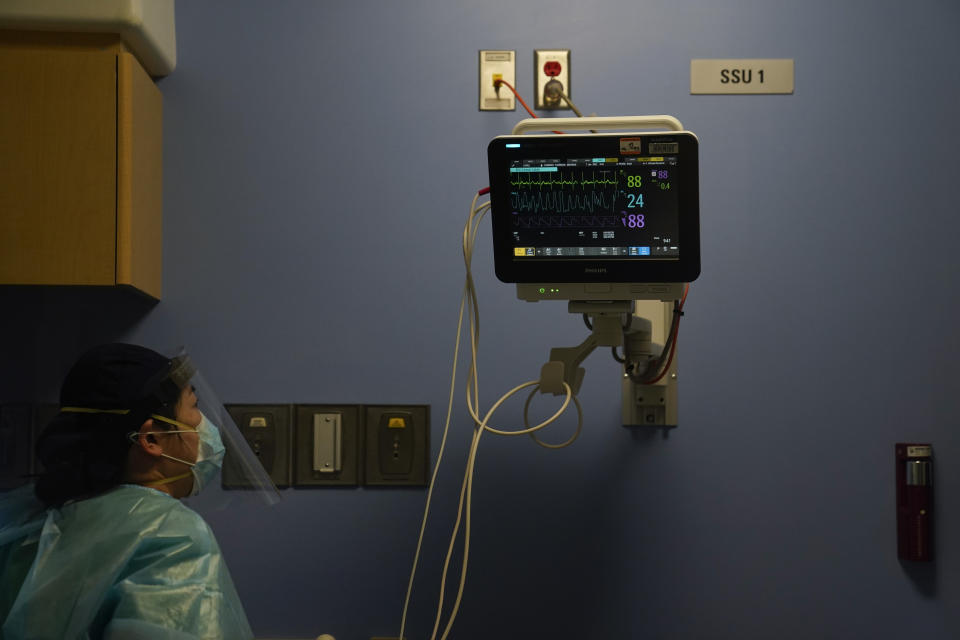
(553, 57)
(504, 64)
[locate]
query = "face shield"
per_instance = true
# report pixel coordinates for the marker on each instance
(242, 470)
(126, 387)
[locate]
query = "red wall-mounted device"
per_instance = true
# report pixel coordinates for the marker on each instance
(914, 502)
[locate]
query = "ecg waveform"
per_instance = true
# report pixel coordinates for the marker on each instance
(526, 181)
(569, 222)
(558, 193)
(562, 201)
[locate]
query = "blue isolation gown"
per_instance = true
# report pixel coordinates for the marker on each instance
(131, 563)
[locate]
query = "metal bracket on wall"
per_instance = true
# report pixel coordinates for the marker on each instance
(327, 445)
(327, 438)
(652, 405)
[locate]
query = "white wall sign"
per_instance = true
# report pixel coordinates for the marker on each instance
(751, 75)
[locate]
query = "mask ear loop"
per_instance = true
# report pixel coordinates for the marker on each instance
(133, 435)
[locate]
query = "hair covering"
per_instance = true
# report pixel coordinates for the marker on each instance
(85, 453)
(120, 376)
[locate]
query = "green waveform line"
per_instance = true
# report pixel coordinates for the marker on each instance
(530, 182)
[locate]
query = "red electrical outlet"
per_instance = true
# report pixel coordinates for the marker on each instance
(551, 70)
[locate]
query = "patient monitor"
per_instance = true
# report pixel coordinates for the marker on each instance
(596, 216)
(600, 220)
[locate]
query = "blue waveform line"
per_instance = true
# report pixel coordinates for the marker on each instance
(562, 201)
(572, 222)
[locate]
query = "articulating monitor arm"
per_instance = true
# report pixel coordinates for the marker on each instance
(609, 321)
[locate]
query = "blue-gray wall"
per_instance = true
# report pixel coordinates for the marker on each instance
(319, 162)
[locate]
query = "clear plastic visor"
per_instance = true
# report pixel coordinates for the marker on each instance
(243, 472)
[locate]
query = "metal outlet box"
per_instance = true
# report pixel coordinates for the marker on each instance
(397, 445)
(267, 429)
(327, 445)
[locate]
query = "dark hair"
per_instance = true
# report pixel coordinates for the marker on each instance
(85, 453)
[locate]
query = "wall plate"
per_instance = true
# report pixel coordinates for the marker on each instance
(551, 69)
(504, 65)
(267, 429)
(397, 445)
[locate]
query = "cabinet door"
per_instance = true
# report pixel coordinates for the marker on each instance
(58, 167)
(139, 178)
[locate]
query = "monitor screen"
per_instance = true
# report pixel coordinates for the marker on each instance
(595, 208)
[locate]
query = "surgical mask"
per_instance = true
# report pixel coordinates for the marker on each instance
(210, 452)
(209, 456)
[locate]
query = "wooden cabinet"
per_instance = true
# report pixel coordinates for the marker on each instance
(80, 167)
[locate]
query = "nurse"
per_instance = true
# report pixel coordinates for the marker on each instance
(101, 546)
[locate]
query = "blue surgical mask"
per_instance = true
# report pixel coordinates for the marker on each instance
(209, 455)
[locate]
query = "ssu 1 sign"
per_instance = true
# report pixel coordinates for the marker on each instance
(741, 76)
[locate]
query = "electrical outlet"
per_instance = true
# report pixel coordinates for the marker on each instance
(497, 65)
(551, 75)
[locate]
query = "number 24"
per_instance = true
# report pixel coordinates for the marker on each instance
(635, 201)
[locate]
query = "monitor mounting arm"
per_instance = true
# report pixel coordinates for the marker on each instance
(609, 320)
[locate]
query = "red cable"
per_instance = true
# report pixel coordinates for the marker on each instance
(676, 332)
(486, 190)
(509, 86)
